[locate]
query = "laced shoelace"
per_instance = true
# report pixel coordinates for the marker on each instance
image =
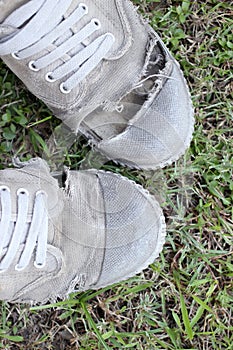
(37, 229)
(44, 26)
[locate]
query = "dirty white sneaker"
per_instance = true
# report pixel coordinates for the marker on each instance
(98, 229)
(103, 71)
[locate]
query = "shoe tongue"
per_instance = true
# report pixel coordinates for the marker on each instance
(8, 6)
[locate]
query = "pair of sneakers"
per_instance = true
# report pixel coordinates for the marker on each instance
(104, 72)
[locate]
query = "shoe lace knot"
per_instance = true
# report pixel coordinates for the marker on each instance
(31, 230)
(45, 29)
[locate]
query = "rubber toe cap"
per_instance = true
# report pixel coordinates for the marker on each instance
(160, 132)
(135, 229)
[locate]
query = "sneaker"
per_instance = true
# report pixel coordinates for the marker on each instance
(98, 229)
(103, 71)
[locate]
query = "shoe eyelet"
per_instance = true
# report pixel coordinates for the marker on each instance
(41, 192)
(111, 36)
(49, 78)
(22, 191)
(96, 22)
(19, 268)
(63, 89)
(84, 7)
(32, 66)
(39, 266)
(4, 189)
(15, 56)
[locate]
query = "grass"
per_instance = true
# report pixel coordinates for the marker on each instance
(184, 300)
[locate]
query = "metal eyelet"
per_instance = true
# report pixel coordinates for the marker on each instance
(42, 192)
(39, 266)
(112, 36)
(96, 22)
(22, 191)
(4, 189)
(63, 89)
(18, 268)
(32, 66)
(49, 78)
(84, 7)
(15, 56)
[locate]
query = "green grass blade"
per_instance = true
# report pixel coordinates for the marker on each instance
(93, 326)
(185, 317)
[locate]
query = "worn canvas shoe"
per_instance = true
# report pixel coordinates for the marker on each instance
(103, 71)
(99, 228)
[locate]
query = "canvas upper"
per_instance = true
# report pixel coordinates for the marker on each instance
(94, 230)
(102, 70)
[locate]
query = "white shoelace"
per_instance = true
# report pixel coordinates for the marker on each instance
(46, 27)
(36, 230)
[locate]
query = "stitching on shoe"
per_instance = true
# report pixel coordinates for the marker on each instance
(126, 29)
